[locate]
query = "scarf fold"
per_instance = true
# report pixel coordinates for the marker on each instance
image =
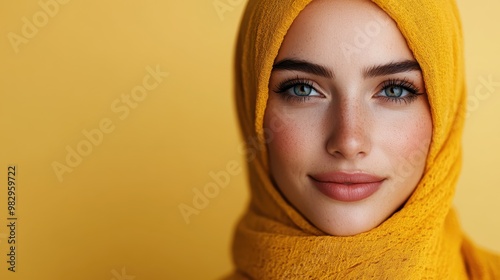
(423, 240)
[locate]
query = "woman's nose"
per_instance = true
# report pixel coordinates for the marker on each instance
(349, 131)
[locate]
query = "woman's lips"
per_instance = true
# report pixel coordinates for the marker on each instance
(347, 187)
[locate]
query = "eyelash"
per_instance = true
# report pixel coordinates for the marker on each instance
(413, 91)
(285, 85)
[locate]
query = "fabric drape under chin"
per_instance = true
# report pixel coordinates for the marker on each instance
(421, 241)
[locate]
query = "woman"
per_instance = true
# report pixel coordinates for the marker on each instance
(358, 109)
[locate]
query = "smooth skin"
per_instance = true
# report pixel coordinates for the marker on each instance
(351, 98)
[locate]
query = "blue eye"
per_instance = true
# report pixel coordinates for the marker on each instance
(297, 89)
(398, 91)
(395, 91)
(302, 90)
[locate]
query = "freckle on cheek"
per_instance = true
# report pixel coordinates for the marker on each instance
(289, 146)
(418, 141)
(284, 140)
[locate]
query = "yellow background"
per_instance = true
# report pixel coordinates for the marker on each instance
(117, 212)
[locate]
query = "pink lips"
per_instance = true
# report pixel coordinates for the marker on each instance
(347, 187)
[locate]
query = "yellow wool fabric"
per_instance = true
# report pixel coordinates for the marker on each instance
(421, 241)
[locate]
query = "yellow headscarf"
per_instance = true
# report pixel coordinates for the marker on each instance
(423, 240)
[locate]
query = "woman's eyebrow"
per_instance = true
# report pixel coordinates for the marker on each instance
(391, 68)
(374, 71)
(304, 66)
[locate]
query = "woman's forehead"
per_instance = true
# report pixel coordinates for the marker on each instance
(345, 36)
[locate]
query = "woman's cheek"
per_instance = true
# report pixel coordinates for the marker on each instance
(286, 144)
(292, 143)
(419, 134)
(407, 142)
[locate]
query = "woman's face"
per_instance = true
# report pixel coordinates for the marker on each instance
(355, 121)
